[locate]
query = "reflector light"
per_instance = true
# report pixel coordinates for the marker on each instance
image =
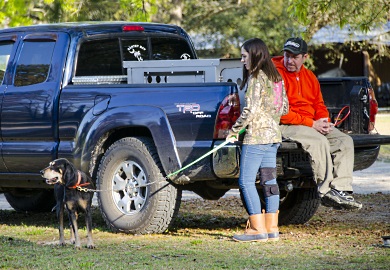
(373, 108)
(128, 28)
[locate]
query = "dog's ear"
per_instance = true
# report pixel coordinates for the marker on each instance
(69, 173)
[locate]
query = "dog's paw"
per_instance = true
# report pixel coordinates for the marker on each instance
(61, 243)
(90, 246)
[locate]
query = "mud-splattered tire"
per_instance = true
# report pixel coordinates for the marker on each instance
(134, 196)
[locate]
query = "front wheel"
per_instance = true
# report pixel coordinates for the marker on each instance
(134, 197)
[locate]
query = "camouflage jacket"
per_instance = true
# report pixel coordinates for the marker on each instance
(265, 103)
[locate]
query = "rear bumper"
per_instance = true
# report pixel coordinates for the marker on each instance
(365, 157)
(369, 140)
(367, 148)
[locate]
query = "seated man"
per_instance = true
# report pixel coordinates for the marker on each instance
(331, 151)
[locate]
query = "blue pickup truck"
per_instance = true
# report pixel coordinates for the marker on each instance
(130, 103)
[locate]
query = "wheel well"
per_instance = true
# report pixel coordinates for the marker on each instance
(109, 138)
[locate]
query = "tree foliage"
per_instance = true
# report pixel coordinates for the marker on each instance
(354, 15)
(357, 14)
(221, 25)
(27, 12)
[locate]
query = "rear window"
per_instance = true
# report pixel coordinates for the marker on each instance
(135, 49)
(99, 57)
(170, 49)
(105, 57)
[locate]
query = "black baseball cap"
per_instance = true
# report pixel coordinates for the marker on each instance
(295, 46)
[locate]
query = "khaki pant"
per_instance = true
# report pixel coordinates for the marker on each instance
(332, 155)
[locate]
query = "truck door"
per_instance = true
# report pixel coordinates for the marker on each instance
(29, 113)
(7, 50)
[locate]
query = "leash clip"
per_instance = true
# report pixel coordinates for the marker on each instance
(79, 188)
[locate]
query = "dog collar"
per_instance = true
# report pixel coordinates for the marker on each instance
(78, 182)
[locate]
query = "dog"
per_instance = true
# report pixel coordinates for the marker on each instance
(73, 189)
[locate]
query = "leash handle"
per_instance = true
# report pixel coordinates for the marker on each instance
(202, 157)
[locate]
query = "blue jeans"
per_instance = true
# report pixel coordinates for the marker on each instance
(254, 157)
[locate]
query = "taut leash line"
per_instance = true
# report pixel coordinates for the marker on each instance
(175, 172)
(202, 157)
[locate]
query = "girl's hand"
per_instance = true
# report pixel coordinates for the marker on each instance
(232, 137)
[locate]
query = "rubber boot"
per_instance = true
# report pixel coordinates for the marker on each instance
(271, 224)
(255, 230)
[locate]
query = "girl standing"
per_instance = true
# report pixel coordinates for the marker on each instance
(265, 102)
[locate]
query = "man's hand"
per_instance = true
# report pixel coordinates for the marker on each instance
(323, 126)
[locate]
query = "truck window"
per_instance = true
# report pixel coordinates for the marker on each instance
(104, 57)
(5, 52)
(170, 49)
(99, 58)
(34, 62)
(135, 49)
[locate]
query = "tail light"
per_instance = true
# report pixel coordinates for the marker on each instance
(373, 108)
(228, 112)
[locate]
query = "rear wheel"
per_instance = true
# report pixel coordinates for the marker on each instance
(31, 200)
(134, 196)
(299, 206)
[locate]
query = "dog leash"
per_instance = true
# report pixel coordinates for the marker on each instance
(83, 189)
(340, 120)
(175, 172)
(202, 157)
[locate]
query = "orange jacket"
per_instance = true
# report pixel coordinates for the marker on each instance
(304, 96)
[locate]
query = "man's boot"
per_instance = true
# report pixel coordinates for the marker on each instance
(255, 230)
(271, 224)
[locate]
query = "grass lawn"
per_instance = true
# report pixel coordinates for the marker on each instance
(201, 239)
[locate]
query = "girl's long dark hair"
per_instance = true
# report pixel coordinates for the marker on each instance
(259, 59)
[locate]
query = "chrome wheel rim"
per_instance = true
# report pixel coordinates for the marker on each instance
(129, 187)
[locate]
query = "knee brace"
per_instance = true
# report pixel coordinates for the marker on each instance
(266, 175)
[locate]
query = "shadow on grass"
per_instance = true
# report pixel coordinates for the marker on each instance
(228, 214)
(183, 220)
(14, 241)
(206, 222)
(15, 218)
